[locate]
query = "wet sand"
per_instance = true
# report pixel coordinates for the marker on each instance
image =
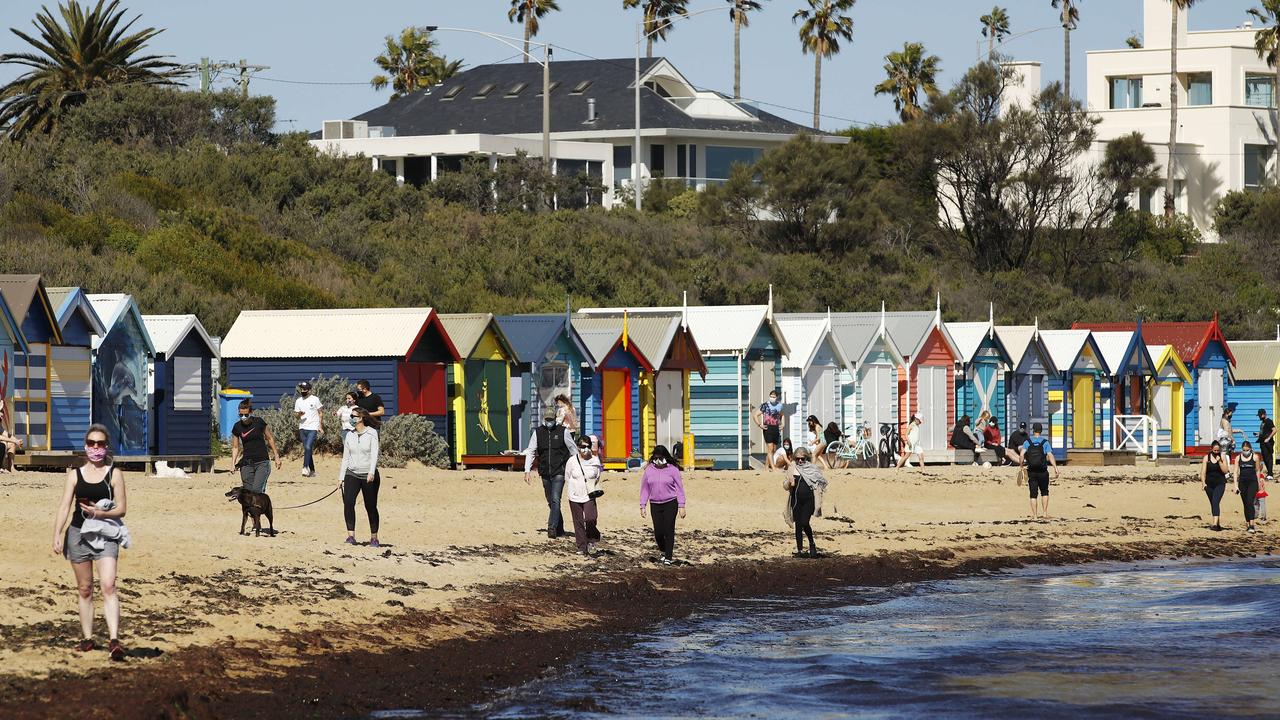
(468, 595)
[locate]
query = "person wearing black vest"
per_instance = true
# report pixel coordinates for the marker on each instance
(550, 448)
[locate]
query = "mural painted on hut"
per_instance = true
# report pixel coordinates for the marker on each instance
(120, 376)
(487, 431)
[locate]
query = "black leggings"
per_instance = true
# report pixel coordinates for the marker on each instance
(1215, 498)
(664, 525)
(353, 485)
(802, 507)
(1248, 496)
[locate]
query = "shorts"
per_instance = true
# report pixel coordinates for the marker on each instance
(253, 475)
(1038, 482)
(916, 449)
(77, 550)
(772, 436)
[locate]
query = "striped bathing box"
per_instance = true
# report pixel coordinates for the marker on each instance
(31, 396)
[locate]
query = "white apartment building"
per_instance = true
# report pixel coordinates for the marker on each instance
(1226, 100)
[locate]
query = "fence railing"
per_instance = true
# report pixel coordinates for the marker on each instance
(1138, 433)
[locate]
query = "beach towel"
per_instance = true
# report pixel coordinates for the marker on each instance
(96, 532)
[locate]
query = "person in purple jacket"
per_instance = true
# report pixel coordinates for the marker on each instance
(662, 490)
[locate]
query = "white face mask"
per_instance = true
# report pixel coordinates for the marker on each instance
(659, 462)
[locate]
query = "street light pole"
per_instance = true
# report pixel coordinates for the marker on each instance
(511, 42)
(641, 36)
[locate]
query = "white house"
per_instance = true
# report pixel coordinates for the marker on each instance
(492, 111)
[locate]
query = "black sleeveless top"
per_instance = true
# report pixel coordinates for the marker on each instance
(1213, 474)
(92, 492)
(1248, 470)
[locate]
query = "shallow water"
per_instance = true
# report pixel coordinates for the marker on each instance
(1171, 640)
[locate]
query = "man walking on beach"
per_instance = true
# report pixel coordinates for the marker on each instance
(370, 401)
(307, 407)
(1266, 440)
(1037, 458)
(550, 446)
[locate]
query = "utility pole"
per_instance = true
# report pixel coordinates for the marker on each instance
(245, 67)
(205, 76)
(210, 70)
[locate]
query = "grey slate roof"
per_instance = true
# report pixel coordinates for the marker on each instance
(500, 112)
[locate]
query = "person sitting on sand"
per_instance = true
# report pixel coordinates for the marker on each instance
(96, 480)
(805, 485)
(1036, 457)
(781, 459)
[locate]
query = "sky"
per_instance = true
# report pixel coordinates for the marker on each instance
(320, 52)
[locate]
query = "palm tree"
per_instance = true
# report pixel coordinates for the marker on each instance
(824, 26)
(527, 12)
(412, 63)
(738, 10)
(1178, 6)
(657, 17)
(1070, 19)
(90, 49)
(910, 71)
(995, 27)
(1267, 42)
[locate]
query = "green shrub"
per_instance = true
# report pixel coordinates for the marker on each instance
(411, 437)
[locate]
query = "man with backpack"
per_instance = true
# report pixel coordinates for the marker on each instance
(550, 447)
(1037, 457)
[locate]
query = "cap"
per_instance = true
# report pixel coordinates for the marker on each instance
(1261, 412)
(304, 385)
(549, 412)
(1022, 426)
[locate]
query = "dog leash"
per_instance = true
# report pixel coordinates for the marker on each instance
(313, 502)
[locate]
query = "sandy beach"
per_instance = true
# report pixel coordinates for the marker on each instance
(467, 594)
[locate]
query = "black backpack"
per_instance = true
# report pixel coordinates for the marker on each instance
(1036, 457)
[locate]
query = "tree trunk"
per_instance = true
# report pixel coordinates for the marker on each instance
(991, 44)
(737, 54)
(1274, 177)
(817, 87)
(1066, 60)
(527, 34)
(1173, 113)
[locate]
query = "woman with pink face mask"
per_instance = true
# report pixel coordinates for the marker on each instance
(82, 500)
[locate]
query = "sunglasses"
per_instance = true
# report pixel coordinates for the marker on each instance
(95, 443)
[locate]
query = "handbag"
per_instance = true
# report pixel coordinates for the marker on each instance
(593, 483)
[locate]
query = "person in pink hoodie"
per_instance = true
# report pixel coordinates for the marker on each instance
(662, 490)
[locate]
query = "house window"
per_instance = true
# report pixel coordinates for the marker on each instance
(657, 160)
(721, 159)
(1151, 200)
(1126, 93)
(1259, 90)
(1200, 89)
(682, 166)
(621, 164)
(1257, 159)
(553, 380)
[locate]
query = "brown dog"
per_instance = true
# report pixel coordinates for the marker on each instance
(255, 504)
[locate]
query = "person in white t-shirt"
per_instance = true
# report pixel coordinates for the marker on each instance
(913, 443)
(310, 425)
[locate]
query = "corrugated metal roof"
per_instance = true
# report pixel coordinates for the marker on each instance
(327, 333)
(1113, 344)
(1256, 360)
(855, 332)
(716, 328)
(531, 336)
(19, 291)
(169, 331)
(1065, 346)
(66, 299)
(804, 337)
(600, 342)
(652, 333)
(1016, 340)
(111, 308)
(1187, 338)
(968, 337)
(1165, 354)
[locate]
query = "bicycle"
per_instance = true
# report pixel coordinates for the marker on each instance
(840, 454)
(890, 443)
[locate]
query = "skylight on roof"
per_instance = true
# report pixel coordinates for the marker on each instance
(484, 90)
(452, 92)
(580, 87)
(517, 89)
(555, 84)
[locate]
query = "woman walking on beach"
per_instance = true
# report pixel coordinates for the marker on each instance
(662, 490)
(806, 485)
(1246, 468)
(581, 478)
(346, 423)
(85, 489)
(1213, 477)
(359, 475)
